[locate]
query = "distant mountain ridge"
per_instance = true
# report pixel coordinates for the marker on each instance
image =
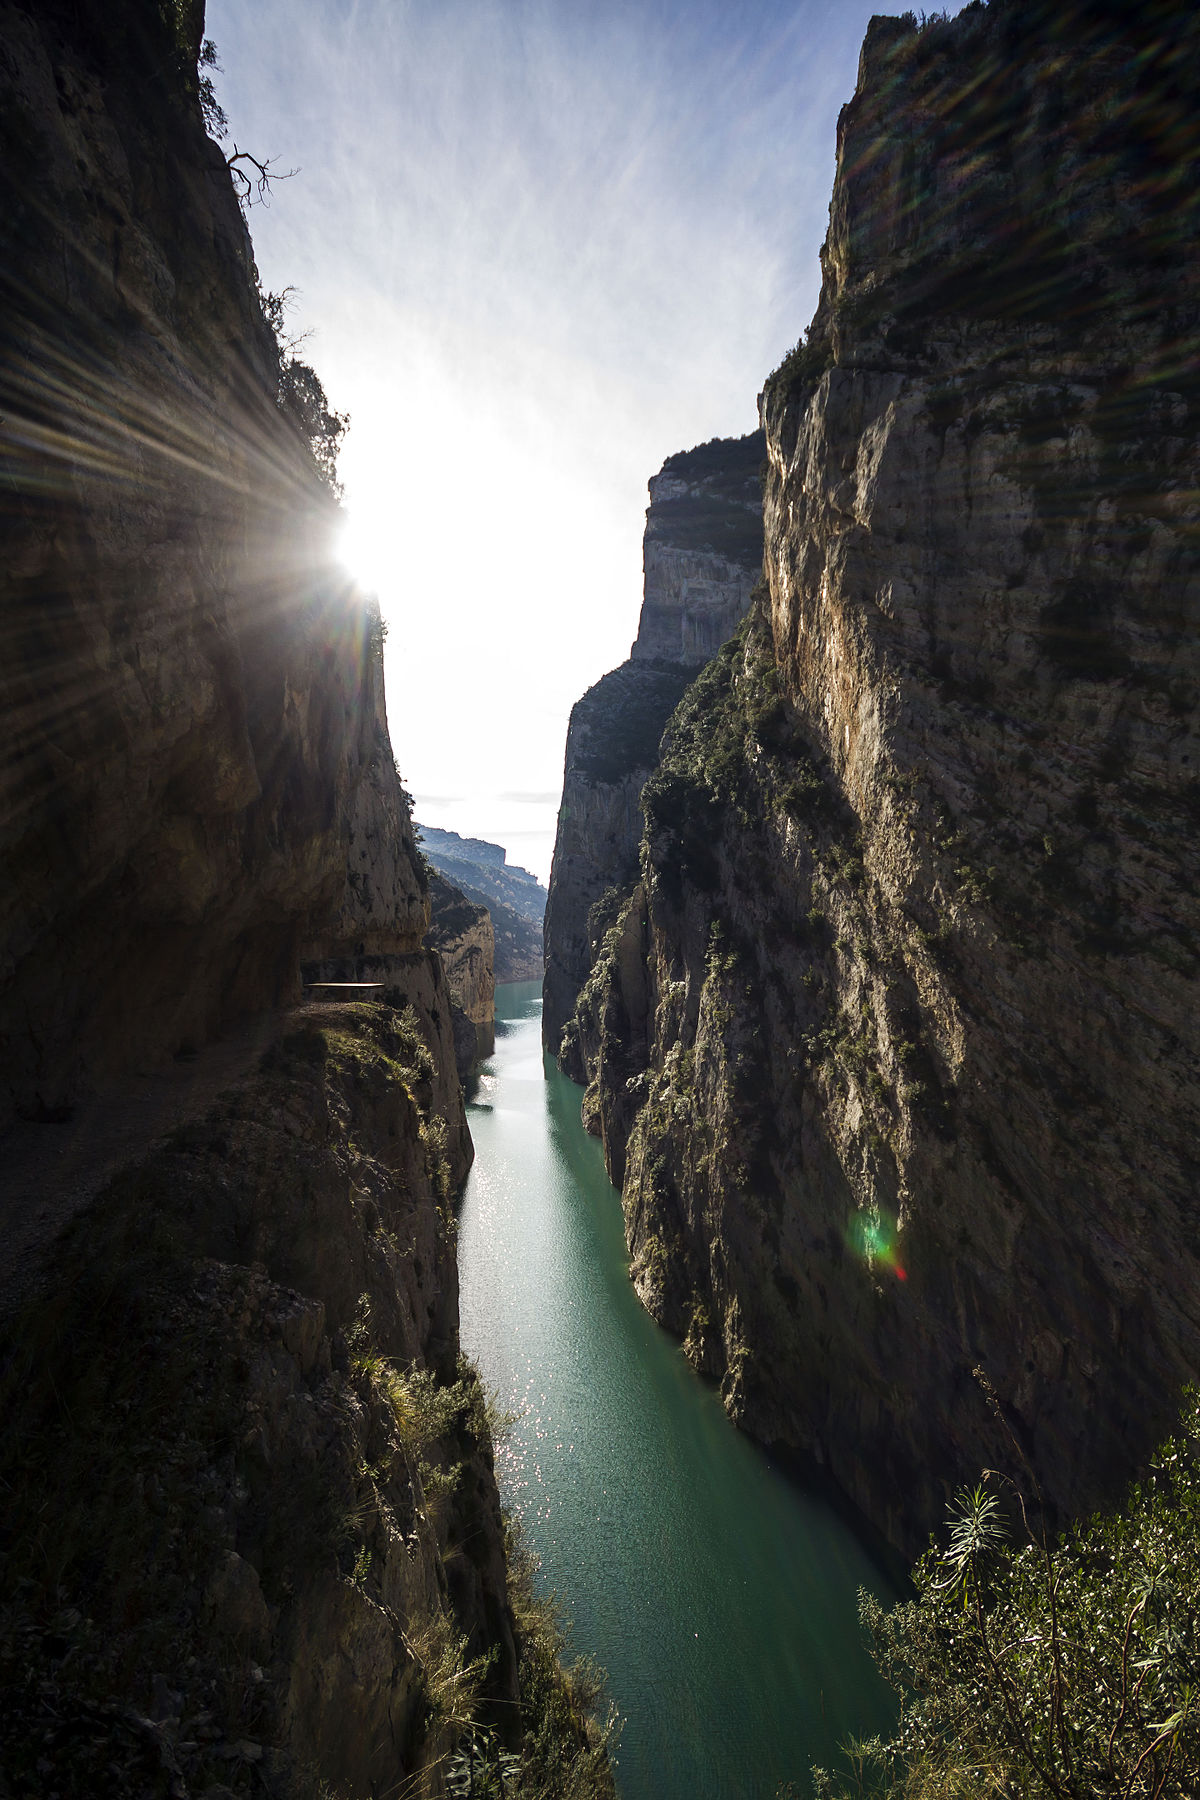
(515, 898)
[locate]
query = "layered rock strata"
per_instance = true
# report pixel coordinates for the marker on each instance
(514, 899)
(461, 933)
(702, 550)
(895, 1043)
(702, 553)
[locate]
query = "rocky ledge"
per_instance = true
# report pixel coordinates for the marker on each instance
(253, 1541)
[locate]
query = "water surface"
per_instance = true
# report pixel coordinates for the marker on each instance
(717, 1593)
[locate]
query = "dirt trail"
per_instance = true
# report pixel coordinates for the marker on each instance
(49, 1172)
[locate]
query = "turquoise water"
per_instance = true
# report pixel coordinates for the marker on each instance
(719, 1596)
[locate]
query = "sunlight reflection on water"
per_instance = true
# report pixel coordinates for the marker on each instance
(720, 1597)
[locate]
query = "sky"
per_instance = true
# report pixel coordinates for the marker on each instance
(537, 246)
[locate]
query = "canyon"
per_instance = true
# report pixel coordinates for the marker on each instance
(252, 1537)
(513, 898)
(889, 1029)
(701, 555)
(871, 936)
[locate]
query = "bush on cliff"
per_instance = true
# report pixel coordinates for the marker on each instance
(1064, 1669)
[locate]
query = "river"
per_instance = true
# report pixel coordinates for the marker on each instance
(718, 1594)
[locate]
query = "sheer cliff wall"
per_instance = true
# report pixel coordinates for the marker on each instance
(192, 704)
(894, 1045)
(462, 934)
(251, 1518)
(252, 1536)
(702, 553)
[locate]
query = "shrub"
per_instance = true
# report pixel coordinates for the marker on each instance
(803, 366)
(1068, 1669)
(300, 395)
(567, 1734)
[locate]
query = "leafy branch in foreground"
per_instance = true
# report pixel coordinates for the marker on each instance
(1053, 1670)
(216, 122)
(300, 394)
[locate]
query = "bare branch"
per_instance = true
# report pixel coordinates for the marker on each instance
(253, 183)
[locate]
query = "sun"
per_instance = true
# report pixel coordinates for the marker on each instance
(366, 548)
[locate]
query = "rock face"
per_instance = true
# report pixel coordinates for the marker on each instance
(895, 1043)
(702, 550)
(252, 1535)
(270, 1482)
(612, 745)
(189, 691)
(515, 899)
(702, 554)
(461, 933)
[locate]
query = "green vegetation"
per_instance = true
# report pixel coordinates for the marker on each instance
(593, 995)
(565, 1745)
(706, 521)
(724, 466)
(1049, 1670)
(802, 367)
(705, 774)
(150, 1419)
(190, 1447)
(562, 1749)
(215, 122)
(376, 629)
(453, 914)
(734, 756)
(299, 394)
(397, 1048)
(623, 716)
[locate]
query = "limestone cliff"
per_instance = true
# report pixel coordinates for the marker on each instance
(515, 900)
(461, 933)
(252, 1522)
(252, 1537)
(190, 693)
(895, 1044)
(702, 553)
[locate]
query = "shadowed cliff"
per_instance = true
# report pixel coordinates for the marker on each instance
(252, 1540)
(192, 699)
(701, 554)
(461, 932)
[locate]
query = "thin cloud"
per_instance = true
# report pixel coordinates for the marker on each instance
(541, 247)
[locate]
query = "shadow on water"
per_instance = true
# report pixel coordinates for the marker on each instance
(717, 1590)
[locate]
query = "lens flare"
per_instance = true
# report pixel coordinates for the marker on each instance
(872, 1235)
